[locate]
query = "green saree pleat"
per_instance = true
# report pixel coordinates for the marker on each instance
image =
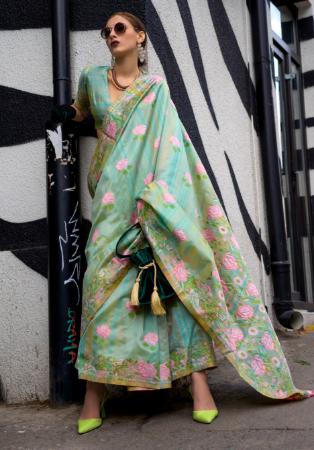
(146, 170)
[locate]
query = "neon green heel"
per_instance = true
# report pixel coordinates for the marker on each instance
(203, 415)
(85, 425)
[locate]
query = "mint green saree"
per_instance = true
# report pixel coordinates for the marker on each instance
(145, 169)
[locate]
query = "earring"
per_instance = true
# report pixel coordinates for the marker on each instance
(113, 60)
(141, 52)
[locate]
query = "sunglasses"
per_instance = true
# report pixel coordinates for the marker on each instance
(119, 28)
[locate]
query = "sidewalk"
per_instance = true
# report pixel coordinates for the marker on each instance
(162, 420)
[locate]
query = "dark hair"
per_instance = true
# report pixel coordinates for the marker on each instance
(137, 24)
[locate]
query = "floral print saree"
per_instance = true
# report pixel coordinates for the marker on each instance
(145, 169)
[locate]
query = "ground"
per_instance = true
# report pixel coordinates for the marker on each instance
(162, 420)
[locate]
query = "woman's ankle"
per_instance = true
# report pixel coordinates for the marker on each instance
(93, 396)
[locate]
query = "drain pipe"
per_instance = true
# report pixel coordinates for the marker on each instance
(64, 226)
(286, 315)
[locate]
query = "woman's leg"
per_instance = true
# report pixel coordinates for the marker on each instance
(93, 396)
(202, 397)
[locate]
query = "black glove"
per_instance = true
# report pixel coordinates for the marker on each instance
(62, 113)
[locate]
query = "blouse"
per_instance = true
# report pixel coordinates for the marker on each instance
(93, 93)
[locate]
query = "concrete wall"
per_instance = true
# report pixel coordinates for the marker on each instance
(212, 84)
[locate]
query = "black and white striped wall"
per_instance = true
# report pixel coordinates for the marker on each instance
(204, 49)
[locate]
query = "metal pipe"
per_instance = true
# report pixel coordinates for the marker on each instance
(64, 226)
(280, 264)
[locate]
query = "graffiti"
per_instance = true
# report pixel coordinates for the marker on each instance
(58, 148)
(71, 347)
(71, 233)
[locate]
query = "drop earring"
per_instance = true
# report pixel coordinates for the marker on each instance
(141, 52)
(113, 60)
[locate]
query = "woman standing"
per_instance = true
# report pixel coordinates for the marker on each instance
(146, 170)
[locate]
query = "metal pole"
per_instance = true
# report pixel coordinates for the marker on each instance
(280, 264)
(64, 225)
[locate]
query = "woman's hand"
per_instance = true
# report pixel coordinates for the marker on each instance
(62, 113)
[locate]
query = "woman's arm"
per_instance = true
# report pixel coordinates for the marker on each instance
(79, 116)
(81, 103)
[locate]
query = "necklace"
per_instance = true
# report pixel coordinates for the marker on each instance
(117, 84)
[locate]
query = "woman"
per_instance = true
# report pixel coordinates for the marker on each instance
(145, 169)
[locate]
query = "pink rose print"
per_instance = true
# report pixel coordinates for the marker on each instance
(163, 184)
(103, 331)
(179, 234)
(281, 394)
(188, 177)
(267, 341)
(134, 217)
(235, 335)
(157, 143)
(101, 373)
(122, 164)
(208, 235)
(130, 307)
(214, 212)
(245, 312)
(151, 338)
(180, 271)
(157, 78)
(252, 289)
(96, 234)
(149, 98)
(200, 169)
(108, 198)
(149, 178)
(224, 287)
(111, 129)
(169, 198)
(172, 363)
(139, 129)
(234, 241)
(229, 262)
(258, 365)
(215, 274)
(140, 204)
(187, 137)
(120, 261)
(175, 141)
(164, 372)
(147, 370)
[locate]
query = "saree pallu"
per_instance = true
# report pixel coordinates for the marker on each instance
(147, 170)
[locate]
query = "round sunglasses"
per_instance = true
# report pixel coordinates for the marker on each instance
(119, 28)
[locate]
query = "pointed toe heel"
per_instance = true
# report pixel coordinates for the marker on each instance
(204, 415)
(86, 425)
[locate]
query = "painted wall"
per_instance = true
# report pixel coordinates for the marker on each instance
(306, 34)
(204, 50)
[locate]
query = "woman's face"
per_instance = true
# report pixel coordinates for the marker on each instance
(127, 41)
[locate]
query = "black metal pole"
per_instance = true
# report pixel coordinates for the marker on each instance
(64, 226)
(278, 244)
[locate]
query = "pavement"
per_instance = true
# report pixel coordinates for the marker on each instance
(162, 419)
